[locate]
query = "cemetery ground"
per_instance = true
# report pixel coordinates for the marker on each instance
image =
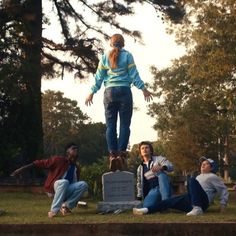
(32, 208)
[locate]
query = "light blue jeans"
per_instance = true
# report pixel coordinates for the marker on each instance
(67, 194)
(159, 193)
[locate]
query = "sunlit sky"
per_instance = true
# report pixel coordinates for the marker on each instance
(159, 49)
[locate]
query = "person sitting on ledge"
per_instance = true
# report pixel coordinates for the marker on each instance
(153, 184)
(201, 192)
(62, 181)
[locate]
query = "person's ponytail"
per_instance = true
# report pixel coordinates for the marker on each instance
(113, 57)
(117, 42)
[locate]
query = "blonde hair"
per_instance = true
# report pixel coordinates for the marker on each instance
(117, 42)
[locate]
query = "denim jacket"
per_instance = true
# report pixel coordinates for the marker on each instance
(156, 160)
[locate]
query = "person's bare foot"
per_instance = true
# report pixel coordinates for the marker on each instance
(51, 214)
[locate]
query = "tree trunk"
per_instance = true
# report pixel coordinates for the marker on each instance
(32, 144)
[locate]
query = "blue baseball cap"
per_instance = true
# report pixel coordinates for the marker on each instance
(213, 164)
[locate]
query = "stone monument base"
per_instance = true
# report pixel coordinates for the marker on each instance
(107, 207)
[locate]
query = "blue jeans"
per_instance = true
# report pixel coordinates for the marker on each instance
(161, 192)
(66, 193)
(118, 100)
(196, 196)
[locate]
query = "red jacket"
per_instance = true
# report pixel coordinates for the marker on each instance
(57, 166)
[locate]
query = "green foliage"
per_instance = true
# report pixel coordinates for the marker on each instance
(92, 140)
(134, 159)
(63, 121)
(196, 112)
(93, 176)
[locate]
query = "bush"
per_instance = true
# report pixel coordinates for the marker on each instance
(93, 176)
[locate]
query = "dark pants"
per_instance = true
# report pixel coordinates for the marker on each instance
(118, 101)
(195, 196)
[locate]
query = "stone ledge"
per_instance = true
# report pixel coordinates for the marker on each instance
(120, 229)
(113, 206)
(22, 188)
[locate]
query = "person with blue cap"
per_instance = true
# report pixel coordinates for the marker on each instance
(62, 183)
(201, 191)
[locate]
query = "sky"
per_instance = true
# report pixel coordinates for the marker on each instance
(159, 49)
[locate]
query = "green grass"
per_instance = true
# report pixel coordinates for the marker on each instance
(28, 208)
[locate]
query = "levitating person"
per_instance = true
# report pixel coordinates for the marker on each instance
(117, 71)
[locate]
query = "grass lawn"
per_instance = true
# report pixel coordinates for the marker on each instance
(29, 208)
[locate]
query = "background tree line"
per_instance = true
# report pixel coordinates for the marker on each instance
(63, 122)
(196, 115)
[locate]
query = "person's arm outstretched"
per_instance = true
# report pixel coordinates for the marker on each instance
(89, 100)
(22, 169)
(101, 73)
(147, 95)
(136, 80)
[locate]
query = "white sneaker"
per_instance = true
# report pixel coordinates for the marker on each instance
(140, 211)
(195, 211)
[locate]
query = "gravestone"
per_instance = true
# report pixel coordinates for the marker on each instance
(118, 186)
(118, 192)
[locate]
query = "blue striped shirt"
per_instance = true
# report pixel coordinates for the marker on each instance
(125, 74)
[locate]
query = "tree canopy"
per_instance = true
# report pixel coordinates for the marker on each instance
(79, 31)
(63, 122)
